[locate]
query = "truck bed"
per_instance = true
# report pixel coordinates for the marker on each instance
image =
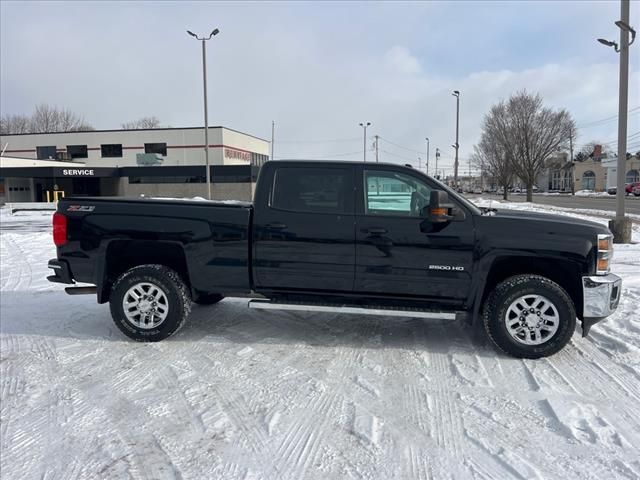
(210, 238)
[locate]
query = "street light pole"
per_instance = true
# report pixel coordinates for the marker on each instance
(621, 225)
(206, 111)
(273, 139)
(456, 94)
(427, 155)
(364, 126)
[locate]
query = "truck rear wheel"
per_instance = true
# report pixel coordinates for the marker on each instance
(149, 303)
(529, 316)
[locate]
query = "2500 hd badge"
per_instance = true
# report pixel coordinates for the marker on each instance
(446, 268)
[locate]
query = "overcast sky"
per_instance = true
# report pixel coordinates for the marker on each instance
(319, 68)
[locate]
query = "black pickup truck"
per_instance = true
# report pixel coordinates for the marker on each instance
(352, 237)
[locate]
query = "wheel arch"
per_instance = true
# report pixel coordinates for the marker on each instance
(122, 255)
(562, 271)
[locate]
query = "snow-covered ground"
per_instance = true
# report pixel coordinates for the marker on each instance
(270, 395)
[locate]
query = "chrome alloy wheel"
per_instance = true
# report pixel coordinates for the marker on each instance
(145, 305)
(532, 319)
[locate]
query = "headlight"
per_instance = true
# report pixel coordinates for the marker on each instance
(605, 253)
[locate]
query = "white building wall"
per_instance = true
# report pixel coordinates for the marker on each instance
(185, 146)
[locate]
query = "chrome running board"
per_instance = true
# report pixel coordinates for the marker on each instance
(387, 312)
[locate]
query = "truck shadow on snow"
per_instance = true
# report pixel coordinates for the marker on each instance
(232, 321)
(54, 314)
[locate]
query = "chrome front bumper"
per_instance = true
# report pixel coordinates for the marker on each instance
(601, 295)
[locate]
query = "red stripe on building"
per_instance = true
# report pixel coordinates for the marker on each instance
(210, 146)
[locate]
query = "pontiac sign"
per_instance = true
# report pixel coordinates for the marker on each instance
(237, 154)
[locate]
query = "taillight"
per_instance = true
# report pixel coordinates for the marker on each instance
(59, 229)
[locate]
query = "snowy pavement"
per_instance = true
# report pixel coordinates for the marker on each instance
(243, 394)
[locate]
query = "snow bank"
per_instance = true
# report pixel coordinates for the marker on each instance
(591, 193)
(587, 214)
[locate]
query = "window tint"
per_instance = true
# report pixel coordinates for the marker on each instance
(160, 148)
(111, 150)
(77, 151)
(45, 153)
(302, 189)
(392, 193)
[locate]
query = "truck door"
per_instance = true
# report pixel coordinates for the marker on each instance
(304, 231)
(393, 255)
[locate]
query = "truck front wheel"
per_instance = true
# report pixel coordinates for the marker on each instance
(529, 316)
(149, 303)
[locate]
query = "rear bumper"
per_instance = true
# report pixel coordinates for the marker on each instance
(61, 272)
(601, 294)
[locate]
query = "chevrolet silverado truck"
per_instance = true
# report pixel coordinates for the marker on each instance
(357, 238)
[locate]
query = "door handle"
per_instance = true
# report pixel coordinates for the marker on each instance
(276, 226)
(375, 231)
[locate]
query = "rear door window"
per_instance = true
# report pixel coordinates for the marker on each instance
(313, 190)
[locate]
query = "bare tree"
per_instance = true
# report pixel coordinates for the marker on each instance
(44, 119)
(11, 124)
(492, 159)
(144, 122)
(594, 149)
(529, 134)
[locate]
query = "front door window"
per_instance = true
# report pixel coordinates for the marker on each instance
(394, 193)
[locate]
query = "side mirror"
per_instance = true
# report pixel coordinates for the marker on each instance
(439, 210)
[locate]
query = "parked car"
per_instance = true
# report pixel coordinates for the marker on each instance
(628, 188)
(342, 237)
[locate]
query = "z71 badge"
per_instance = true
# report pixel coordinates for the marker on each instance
(81, 208)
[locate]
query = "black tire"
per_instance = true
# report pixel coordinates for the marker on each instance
(176, 297)
(510, 290)
(208, 298)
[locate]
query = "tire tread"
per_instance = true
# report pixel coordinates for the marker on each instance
(492, 306)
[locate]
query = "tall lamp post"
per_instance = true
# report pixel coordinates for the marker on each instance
(621, 225)
(364, 126)
(456, 93)
(206, 112)
(427, 139)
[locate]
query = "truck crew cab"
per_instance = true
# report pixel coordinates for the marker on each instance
(356, 237)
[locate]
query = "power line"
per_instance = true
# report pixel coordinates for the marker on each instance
(335, 140)
(399, 156)
(328, 155)
(610, 143)
(602, 121)
(400, 146)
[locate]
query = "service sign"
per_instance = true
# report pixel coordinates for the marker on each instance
(83, 172)
(78, 172)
